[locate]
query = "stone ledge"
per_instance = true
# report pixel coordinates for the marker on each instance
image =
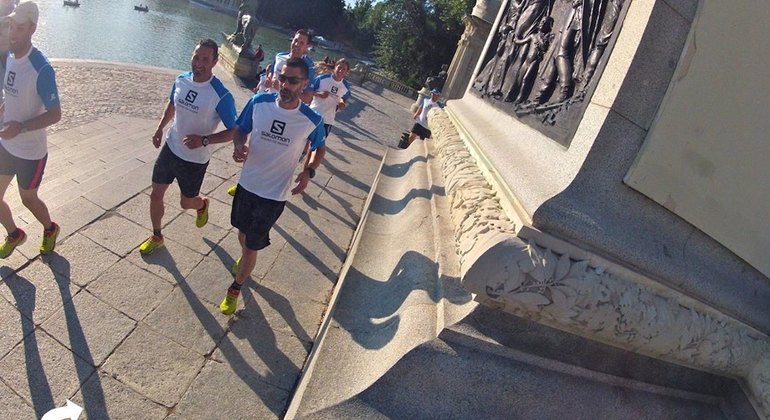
(564, 287)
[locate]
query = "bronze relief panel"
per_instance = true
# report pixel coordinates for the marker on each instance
(542, 63)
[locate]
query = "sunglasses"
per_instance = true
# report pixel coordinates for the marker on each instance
(290, 80)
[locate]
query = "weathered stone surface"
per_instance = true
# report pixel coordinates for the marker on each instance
(13, 407)
(43, 372)
(209, 281)
(173, 262)
(184, 231)
(81, 260)
(130, 289)
(37, 292)
(89, 327)
(256, 351)
(103, 232)
(12, 328)
(103, 398)
(154, 366)
(189, 321)
(284, 314)
(247, 396)
(292, 278)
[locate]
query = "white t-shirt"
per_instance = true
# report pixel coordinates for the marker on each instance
(327, 106)
(29, 89)
(198, 108)
(277, 139)
(427, 105)
(280, 60)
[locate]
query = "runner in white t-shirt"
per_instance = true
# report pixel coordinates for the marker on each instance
(278, 126)
(31, 104)
(331, 90)
(420, 127)
(298, 49)
(198, 102)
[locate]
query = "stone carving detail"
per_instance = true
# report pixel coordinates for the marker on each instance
(477, 216)
(571, 294)
(544, 56)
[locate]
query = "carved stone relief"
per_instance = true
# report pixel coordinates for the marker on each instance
(543, 59)
(602, 303)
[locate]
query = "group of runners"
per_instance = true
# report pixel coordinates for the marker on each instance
(284, 125)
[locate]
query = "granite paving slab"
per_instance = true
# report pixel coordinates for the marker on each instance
(103, 397)
(104, 232)
(37, 292)
(92, 260)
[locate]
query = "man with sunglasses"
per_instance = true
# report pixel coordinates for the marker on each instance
(278, 126)
(31, 104)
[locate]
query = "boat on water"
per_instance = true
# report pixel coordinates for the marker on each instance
(72, 3)
(141, 8)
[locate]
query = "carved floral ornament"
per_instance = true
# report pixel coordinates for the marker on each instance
(571, 294)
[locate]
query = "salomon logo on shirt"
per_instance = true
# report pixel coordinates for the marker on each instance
(11, 78)
(277, 127)
(191, 95)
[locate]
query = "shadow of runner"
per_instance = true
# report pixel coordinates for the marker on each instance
(231, 355)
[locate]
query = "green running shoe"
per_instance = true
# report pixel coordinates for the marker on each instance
(229, 304)
(11, 243)
(49, 239)
(231, 190)
(203, 214)
(151, 244)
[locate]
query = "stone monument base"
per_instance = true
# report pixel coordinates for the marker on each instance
(237, 61)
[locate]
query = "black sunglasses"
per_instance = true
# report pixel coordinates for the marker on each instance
(290, 80)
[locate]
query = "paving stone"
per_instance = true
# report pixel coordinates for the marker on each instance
(14, 262)
(104, 232)
(43, 372)
(184, 231)
(223, 168)
(80, 259)
(104, 398)
(89, 327)
(251, 398)
(74, 215)
(209, 281)
(13, 327)
(219, 213)
(210, 183)
(137, 210)
(328, 205)
(220, 193)
(296, 274)
(257, 351)
(37, 292)
(173, 262)
(13, 407)
(298, 317)
(154, 366)
(191, 322)
(130, 289)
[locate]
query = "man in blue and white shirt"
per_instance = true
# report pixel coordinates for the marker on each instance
(198, 102)
(31, 104)
(331, 90)
(278, 127)
(298, 49)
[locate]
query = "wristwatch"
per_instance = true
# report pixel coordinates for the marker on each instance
(310, 172)
(205, 141)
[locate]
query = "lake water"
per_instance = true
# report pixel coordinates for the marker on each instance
(112, 30)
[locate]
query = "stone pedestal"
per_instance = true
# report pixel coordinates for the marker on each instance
(237, 61)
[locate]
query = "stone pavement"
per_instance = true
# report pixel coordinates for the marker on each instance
(130, 337)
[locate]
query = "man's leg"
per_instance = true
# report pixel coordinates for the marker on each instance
(157, 209)
(412, 137)
(6, 218)
(246, 263)
(35, 205)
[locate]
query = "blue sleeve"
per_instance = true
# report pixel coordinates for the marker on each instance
(244, 122)
(226, 111)
(46, 87)
(317, 137)
(310, 72)
(171, 96)
(346, 96)
(315, 84)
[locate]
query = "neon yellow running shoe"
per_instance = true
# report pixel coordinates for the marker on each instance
(203, 214)
(231, 190)
(49, 239)
(151, 244)
(11, 243)
(234, 268)
(229, 304)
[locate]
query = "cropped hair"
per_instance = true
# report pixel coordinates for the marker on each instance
(209, 43)
(300, 64)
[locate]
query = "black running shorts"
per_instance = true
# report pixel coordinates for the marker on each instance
(28, 173)
(255, 216)
(189, 175)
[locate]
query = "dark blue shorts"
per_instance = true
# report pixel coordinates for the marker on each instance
(189, 175)
(255, 216)
(28, 173)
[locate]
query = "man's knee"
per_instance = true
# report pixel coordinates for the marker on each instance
(28, 197)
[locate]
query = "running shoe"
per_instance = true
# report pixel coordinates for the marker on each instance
(49, 239)
(203, 214)
(11, 243)
(151, 244)
(229, 304)
(231, 190)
